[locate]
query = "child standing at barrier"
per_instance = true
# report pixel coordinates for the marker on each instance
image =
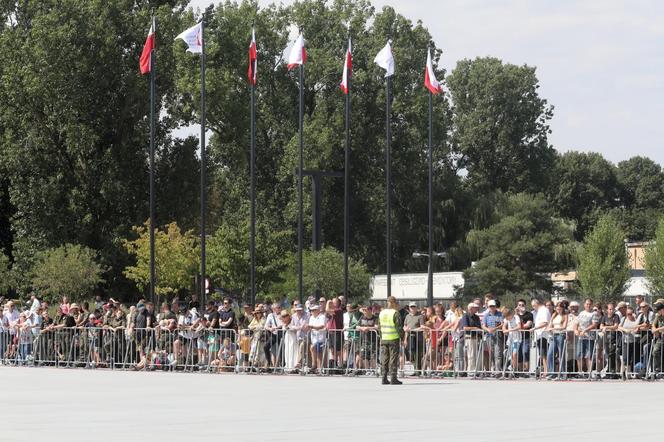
(512, 328)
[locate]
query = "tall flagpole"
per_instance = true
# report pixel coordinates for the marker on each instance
(300, 235)
(347, 181)
(203, 164)
(153, 74)
(252, 192)
(388, 190)
(431, 257)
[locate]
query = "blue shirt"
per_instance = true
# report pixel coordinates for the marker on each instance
(491, 320)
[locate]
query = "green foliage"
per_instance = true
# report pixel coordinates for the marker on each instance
(585, 187)
(324, 270)
(176, 258)
(519, 250)
(74, 136)
(603, 267)
(69, 270)
(228, 258)
(501, 125)
(654, 261)
(5, 274)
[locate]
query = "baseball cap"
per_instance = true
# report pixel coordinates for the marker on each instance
(298, 308)
(574, 304)
(412, 304)
(315, 307)
(658, 307)
(492, 303)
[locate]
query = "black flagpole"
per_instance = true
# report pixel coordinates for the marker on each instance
(347, 182)
(252, 192)
(300, 235)
(431, 257)
(153, 75)
(388, 179)
(203, 164)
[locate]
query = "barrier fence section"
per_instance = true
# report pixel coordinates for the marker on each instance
(544, 353)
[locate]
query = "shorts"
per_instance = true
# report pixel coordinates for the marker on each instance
(542, 346)
(319, 346)
(201, 343)
(515, 347)
(336, 339)
(585, 348)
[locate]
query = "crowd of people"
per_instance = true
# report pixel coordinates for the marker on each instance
(534, 338)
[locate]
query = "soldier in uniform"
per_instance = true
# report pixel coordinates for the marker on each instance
(391, 333)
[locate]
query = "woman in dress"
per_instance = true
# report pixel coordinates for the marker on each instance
(289, 343)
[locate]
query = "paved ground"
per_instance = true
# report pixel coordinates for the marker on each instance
(82, 405)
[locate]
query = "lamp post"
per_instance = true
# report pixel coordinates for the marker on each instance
(441, 255)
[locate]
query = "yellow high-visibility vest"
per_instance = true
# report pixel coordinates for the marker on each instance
(388, 329)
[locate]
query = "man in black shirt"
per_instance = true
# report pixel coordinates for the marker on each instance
(527, 322)
(227, 322)
(609, 326)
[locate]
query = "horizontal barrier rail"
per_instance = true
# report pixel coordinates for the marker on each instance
(543, 353)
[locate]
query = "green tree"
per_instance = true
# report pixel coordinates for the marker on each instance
(69, 270)
(229, 260)
(74, 137)
(324, 270)
(603, 268)
(654, 260)
(584, 188)
(325, 29)
(5, 274)
(501, 126)
(517, 252)
(176, 258)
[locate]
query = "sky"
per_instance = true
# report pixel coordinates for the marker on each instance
(600, 62)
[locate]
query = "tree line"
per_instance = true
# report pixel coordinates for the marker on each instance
(74, 145)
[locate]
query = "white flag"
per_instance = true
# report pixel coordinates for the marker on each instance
(385, 60)
(298, 54)
(194, 38)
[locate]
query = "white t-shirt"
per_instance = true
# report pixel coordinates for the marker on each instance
(542, 317)
(629, 325)
(584, 320)
(318, 335)
(515, 322)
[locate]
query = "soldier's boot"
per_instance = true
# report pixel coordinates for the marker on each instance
(395, 381)
(385, 381)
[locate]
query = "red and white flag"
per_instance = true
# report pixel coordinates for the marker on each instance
(348, 69)
(298, 54)
(251, 73)
(148, 47)
(430, 77)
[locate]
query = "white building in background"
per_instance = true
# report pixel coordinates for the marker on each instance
(413, 286)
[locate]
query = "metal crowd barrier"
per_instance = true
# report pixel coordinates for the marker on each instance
(432, 353)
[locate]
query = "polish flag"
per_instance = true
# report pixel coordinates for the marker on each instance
(298, 54)
(251, 73)
(430, 77)
(148, 47)
(348, 69)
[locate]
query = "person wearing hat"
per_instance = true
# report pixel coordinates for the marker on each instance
(471, 324)
(413, 326)
(317, 323)
(299, 323)
(658, 331)
(257, 358)
(391, 333)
